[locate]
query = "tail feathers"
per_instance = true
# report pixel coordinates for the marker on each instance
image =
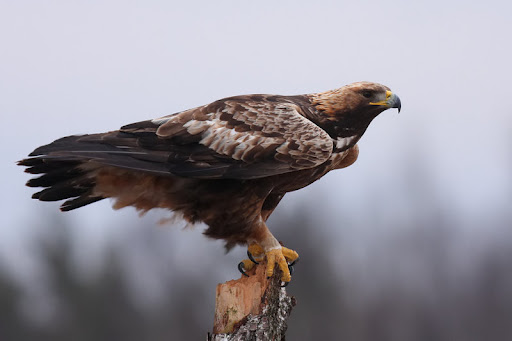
(55, 176)
(76, 143)
(64, 189)
(79, 202)
(61, 179)
(67, 167)
(118, 149)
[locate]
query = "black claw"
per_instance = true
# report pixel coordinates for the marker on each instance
(285, 284)
(294, 262)
(241, 269)
(291, 269)
(251, 258)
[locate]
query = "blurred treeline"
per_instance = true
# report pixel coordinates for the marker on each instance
(416, 284)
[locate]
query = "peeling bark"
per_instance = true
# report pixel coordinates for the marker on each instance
(251, 308)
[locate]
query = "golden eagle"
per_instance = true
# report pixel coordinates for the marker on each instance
(227, 163)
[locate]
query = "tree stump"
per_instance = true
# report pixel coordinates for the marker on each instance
(252, 308)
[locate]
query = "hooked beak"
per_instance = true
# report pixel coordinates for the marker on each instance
(391, 101)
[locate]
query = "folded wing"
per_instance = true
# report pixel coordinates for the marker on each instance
(241, 137)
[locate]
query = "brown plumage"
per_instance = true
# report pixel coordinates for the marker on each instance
(227, 163)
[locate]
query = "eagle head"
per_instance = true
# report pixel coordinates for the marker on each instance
(351, 108)
(360, 96)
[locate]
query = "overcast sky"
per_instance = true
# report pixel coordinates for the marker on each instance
(74, 67)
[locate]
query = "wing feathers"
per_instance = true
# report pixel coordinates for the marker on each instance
(254, 132)
(239, 137)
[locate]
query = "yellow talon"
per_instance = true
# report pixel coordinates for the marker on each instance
(289, 254)
(255, 250)
(276, 256)
(256, 255)
(248, 264)
(282, 256)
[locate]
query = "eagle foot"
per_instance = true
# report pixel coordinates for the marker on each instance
(248, 264)
(284, 257)
(255, 254)
(279, 256)
(251, 258)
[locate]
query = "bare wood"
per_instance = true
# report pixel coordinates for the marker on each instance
(251, 308)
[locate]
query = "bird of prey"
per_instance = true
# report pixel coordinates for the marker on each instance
(226, 164)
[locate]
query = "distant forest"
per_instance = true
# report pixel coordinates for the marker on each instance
(412, 287)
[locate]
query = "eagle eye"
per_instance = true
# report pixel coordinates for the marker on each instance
(367, 93)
